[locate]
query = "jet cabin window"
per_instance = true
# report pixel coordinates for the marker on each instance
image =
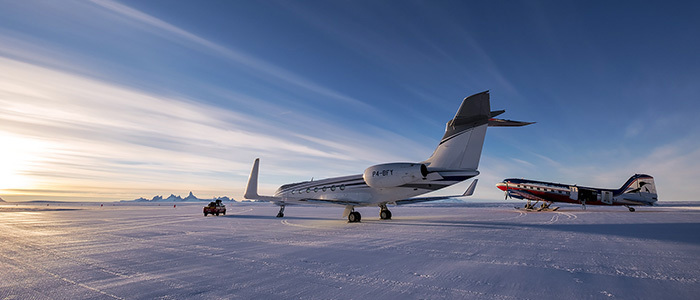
(332, 187)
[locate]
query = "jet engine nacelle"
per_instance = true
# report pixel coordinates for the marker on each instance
(394, 174)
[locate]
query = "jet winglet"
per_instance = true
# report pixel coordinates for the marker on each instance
(470, 189)
(251, 190)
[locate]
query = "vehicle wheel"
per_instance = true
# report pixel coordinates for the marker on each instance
(217, 214)
(205, 214)
(223, 213)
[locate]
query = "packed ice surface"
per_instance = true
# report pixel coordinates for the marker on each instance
(130, 251)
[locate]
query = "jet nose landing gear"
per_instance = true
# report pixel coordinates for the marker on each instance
(280, 214)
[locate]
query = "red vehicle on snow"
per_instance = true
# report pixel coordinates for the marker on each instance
(215, 208)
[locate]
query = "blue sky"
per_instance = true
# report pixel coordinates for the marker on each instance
(110, 100)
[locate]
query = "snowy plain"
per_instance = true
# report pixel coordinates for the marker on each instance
(479, 251)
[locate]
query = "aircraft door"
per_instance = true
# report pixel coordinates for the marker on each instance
(573, 193)
(606, 197)
(587, 195)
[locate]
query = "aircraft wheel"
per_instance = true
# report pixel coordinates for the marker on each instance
(631, 209)
(385, 214)
(354, 217)
(280, 215)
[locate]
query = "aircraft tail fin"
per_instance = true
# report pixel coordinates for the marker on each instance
(460, 147)
(640, 187)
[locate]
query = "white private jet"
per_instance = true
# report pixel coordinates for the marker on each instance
(455, 160)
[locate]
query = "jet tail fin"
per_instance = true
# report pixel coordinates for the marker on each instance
(460, 147)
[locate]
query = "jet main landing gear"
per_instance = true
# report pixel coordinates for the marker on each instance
(630, 208)
(354, 216)
(384, 212)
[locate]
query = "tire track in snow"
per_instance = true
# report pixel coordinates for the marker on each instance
(241, 212)
(25, 266)
(285, 222)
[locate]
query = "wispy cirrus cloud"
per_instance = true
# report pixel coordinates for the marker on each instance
(96, 136)
(256, 65)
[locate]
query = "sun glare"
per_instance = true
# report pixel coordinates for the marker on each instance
(17, 155)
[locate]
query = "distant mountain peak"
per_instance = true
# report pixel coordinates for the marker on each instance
(172, 198)
(191, 197)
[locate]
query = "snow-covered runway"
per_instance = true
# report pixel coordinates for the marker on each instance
(75, 251)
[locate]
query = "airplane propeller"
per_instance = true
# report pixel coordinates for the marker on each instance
(505, 192)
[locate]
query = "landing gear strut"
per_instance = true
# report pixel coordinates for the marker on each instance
(531, 205)
(544, 206)
(280, 214)
(384, 212)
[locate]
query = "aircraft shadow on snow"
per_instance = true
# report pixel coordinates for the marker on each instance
(671, 232)
(271, 217)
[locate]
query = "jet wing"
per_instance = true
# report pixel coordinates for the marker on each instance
(423, 199)
(468, 192)
(276, 200)
(334, 202)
